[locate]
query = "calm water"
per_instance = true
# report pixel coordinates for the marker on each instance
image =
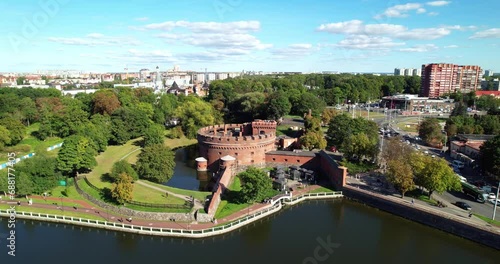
(360, 235)
(185, 175)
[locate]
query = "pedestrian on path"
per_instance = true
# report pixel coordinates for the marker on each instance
(412, 201)
(470, 214)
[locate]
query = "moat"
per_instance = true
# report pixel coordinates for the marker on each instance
(356, 234)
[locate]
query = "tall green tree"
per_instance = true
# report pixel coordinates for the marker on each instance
(76, 155)
(489, 156)
(155, 134)
(437, 176)
(156, 163)
(313, 136)
(24, 184)
(255, 185)
(105, 102)
(193, 114)
(120, 167)
(4, 137)
(16, 129)
(430, 131)
(277, 106)
(399, 173)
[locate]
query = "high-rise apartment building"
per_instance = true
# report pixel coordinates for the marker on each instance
(406, 72)
(443, 78)
(488, 73)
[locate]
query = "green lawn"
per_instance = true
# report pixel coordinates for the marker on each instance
(488, 220)
(29, 144)
(226, 209)
(354, 168)
(196, 194)
(285, 130)
(106, 160)
(322, 190)
(147, 195)
(53, 212)
(417, 194)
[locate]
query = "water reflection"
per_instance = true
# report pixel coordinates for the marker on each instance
(185, 174)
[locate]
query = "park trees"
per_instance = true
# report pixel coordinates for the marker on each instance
(16, 129)
(4, 137)
(277, 105)
(430, 131)
(41, 171)
(155, 134)
(436, 175)
(489, 154)
(76, 155)
(105, 102)
(313, 136)
(122, 119)
(120, 167)
(156, 163)
(255, 185)
(357, 138)
(308, 101)
(164, 108)
(400, 174)
(123, 189)
(195, 113)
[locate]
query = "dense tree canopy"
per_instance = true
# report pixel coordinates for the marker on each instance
(255, 185)
(194, 113)
(76, 155)
(490, 156)
(430, 132)
(123, 189)
(156, 163)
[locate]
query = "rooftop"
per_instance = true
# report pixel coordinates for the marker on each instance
(472, 137)
(293, 153)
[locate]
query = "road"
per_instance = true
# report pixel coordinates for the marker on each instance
(485, 209)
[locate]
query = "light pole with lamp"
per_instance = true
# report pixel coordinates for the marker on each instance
(496, 202)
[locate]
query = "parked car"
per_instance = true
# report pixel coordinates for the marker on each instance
(462, 178)
(463, 205)
(491, 196)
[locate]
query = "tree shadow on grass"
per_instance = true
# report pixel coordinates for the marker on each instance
(233, 197)
(139, 143)
(106, 177)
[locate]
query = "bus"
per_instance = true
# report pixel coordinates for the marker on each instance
(478, 194)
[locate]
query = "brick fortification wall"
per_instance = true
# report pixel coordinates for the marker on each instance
(225, 178)
(246, 142)
(434, 218)
(317, 161)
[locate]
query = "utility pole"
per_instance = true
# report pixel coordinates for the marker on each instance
(496, 202)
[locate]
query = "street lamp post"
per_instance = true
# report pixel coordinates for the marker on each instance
(496, 202)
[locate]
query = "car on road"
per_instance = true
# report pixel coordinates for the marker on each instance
(458, 164)
(491, 196)
(463, 205)
(492, 201)
(462, 178)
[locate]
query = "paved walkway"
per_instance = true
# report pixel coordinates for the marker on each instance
(450, 208)
(88, 208)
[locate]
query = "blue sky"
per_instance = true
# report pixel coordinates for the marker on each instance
(236, 35)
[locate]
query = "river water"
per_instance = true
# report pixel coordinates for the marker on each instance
(311, 232)
(185, 174)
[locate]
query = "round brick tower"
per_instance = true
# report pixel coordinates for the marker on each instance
(247, 143)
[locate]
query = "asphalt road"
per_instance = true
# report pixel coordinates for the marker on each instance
(485, 209)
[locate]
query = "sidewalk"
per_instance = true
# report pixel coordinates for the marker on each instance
(91, 209)
(450, 208)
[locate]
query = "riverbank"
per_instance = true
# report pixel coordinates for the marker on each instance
(174, 229)
(458, 225)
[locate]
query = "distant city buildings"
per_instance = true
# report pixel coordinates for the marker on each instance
(407, 72)
(488, 73)
(443, 78)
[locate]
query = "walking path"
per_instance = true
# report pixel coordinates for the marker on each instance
(95, 211)
(450, 208)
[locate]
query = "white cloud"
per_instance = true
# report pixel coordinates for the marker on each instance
(230, 38)
(438, 3)
(206, 27)
(364, 42)
(420, 48)
(423, 33)
(95, 39)
(461, 28)
(433, 13)
(421, 10)
(293, 50)
(489, 33)
(399, 10)
(356, 27)
(141, 19)
(451, 47)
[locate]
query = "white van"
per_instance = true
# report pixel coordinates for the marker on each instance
(458, 164)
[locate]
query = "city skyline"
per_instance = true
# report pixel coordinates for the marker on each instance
(236, 35)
